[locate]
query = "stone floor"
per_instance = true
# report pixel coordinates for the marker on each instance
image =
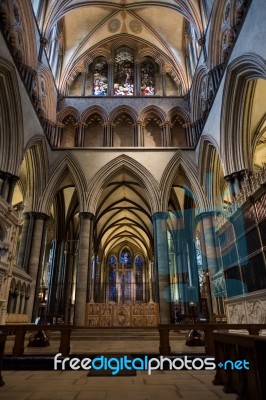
(75, 385)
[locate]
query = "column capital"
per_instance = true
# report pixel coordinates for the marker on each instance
(38, 215)
(206, 214)
(86, 215)
(160, 215)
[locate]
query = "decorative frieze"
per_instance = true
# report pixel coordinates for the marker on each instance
(250, 309)
(122, 315)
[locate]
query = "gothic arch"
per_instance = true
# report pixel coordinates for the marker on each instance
(235, 135)
(47, 93)
(67, 164)
(36, 160)
(198, 94)
(94, 110)
(68, 111)
(221, 23)
(124, 109)
(211, 171)
(29, 42)
(190, 171)
(111, 169)
(11, 148)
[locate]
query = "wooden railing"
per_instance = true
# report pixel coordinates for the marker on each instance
(20, 331)
(207, 328)
(249, 384)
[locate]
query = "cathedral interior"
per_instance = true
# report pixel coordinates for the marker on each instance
(132, 161)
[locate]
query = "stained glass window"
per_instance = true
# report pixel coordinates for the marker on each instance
(125, 259)
(100, 78)
(124, 73)
(112, 278)
(125, 282)
(139, 278)
(147, 69)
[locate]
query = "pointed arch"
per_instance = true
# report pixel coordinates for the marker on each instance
(47, 92)
(31, 55)
(11, 126)
(197, 96)
(67, 164)
(190, 171)
(94, 110)
(235, 135)
(124, 109)
(211, 172)
(69, 111)
(36, 160)
(114, 167)
(152, 110)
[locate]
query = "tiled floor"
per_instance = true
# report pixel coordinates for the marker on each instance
(75, 385)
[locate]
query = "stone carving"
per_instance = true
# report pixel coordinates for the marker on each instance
(135, 26)
(241, 6)
(256, 311)
(113, 314)
(227, 10)
(227, 41)
(249, 309)
(114, 25)
(237, 314)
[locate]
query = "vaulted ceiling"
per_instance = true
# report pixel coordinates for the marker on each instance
(157, 25)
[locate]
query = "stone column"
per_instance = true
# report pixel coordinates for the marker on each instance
(33, 255)
(110, 86)
(163, 74)
(162, 265)
(86, 226)
(85, 74)
(167, 134)
(140, 134)
(137, 83)
(23, 240)
(69, 280)
(209, 254)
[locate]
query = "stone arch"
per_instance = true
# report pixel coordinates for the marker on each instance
(69, 119)
(152, 119)
(36, 160)
(199, 94)
(235, 136)
(94, 110)
(67, 164)
(111, 169)
(222, 23)
(11, 126)
(190, 171)
(94, 121)
(258, 140)
(72, 111)
(179, 122)
(211, 172)
(126, 109)
(30, 47)
(46, 94)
